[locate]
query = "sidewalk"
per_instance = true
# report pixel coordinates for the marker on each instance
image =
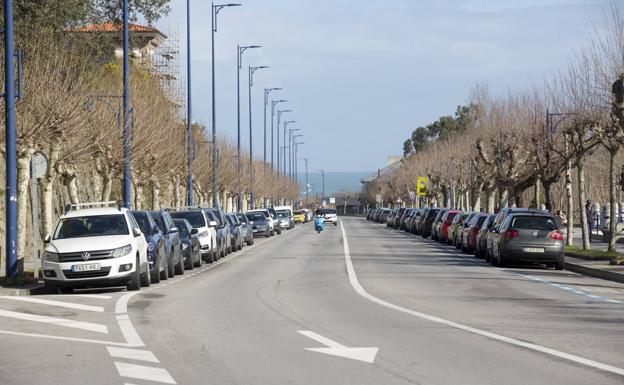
(594, 267)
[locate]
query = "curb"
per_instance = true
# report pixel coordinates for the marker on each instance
(596, 273)
(23, 291)
(585, 257)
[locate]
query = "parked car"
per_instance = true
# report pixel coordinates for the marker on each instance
(308, 215)
(236, 230)
(191, 251)
(157, 256)
(530, 237)
(398, 216)
(173, 244)
(287, 212)
(283, 220)
(481, 238)
(462, 236)
(437, 224)
(276, 222)
(91, 246)
(206, 231)
(260, 223)
(299, 216)
(390, 219)
(247, 228)
(471, 231)
(445, 232)
(269, 220)
(456, 228)
(426, 223)
(383, 215)
(498, 221)
(224, 234)
(403, 221)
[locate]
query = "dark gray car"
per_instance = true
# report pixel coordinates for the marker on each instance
(247, 229)
(529, 237)
(259, 224)
(173, 244)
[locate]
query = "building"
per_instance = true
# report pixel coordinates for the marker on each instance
(372, 185)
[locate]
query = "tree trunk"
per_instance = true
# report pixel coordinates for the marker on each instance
(155, 194)
(536, 193)
(569, 199)
(548, 195)
(47, 203)
(504, 199)
(580, 172)
(490, 197)
(23, 203)
(476, 197)
(613, 215)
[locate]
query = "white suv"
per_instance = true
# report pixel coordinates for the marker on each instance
(206, 231)
(96, 247)
(329, 215)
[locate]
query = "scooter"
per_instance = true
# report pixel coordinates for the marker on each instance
(319, 224)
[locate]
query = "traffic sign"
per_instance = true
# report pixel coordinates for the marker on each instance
(421, 186)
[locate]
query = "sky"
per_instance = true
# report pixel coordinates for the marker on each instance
(360, 75)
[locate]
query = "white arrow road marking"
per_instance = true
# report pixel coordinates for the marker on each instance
(49, 302)
(484, 333)
(335, 349)
(92, 327)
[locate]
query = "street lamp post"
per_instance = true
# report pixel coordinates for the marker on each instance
(252, 70)
(290, 134)
(307, 186)
(286, 123)
(293, 157)
(323, 177)
(239, 169)
(126, 107)
(273, 104)
(279, 117)
(189, 128)
(215, 13)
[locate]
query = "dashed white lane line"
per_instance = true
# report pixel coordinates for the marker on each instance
(132, 354)
(142, 372)
(128, 331)
(568, 288)
(49, 302)
(92, 327)
(353, 280)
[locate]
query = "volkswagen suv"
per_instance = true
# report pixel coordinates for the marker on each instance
(96, 246)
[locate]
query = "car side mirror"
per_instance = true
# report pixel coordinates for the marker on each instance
(173, 229)
(194, 231)
(47, 238)
(212, 224)
(136, 232)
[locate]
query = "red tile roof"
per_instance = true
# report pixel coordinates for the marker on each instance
(114, 27)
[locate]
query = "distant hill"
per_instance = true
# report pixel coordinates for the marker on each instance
(334, 181)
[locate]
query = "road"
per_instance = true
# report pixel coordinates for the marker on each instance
(356, 304)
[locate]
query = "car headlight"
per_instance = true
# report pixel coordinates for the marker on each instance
(121, 251)
(184, 246)
(50, 257)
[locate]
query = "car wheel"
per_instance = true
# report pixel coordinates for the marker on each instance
(179, 268)
(199, 260)
(501, 259)
(146, 277)
(135, 282)
(488, 256)
(156, 274)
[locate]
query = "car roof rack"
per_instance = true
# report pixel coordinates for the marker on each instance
(77, 206)
(180, 208)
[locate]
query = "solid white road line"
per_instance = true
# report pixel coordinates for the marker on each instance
(128, 331)
(132, 354)
(92, 327)
(144, 373)
(49, 302)
(527, 345)
(59, 338)
(96, 296)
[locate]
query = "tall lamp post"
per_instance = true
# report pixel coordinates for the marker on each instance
(126, 108)
(294, 155)
(323, 177)
(286, 123)
(252, 70)
(267, 91)
(215, 13)
(10, 143)
(273, 104)
(239, 169)
(290, 135)
(307, 185)
(189, 127)
(279, 118)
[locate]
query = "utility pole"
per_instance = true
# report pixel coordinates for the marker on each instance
(307, 187)
(126, 108)
(10, 143)
(189, 128)
(251, 170)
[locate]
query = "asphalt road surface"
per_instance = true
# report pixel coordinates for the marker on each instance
(357, 304)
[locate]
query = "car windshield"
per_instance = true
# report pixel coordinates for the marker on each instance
(283, 213)
(159, 222)
(195, 218)
(533, 223)
(241, 217)
(182, 229)
(332, 211)
(143, 222)
(91, 226)
(256, 217)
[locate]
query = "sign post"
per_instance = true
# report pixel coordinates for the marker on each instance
(38, 169)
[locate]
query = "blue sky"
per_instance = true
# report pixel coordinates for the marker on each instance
(360, 75)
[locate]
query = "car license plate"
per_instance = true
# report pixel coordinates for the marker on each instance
(533, 250)
(86, 267)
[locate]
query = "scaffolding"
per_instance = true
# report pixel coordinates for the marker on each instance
(166, 67)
